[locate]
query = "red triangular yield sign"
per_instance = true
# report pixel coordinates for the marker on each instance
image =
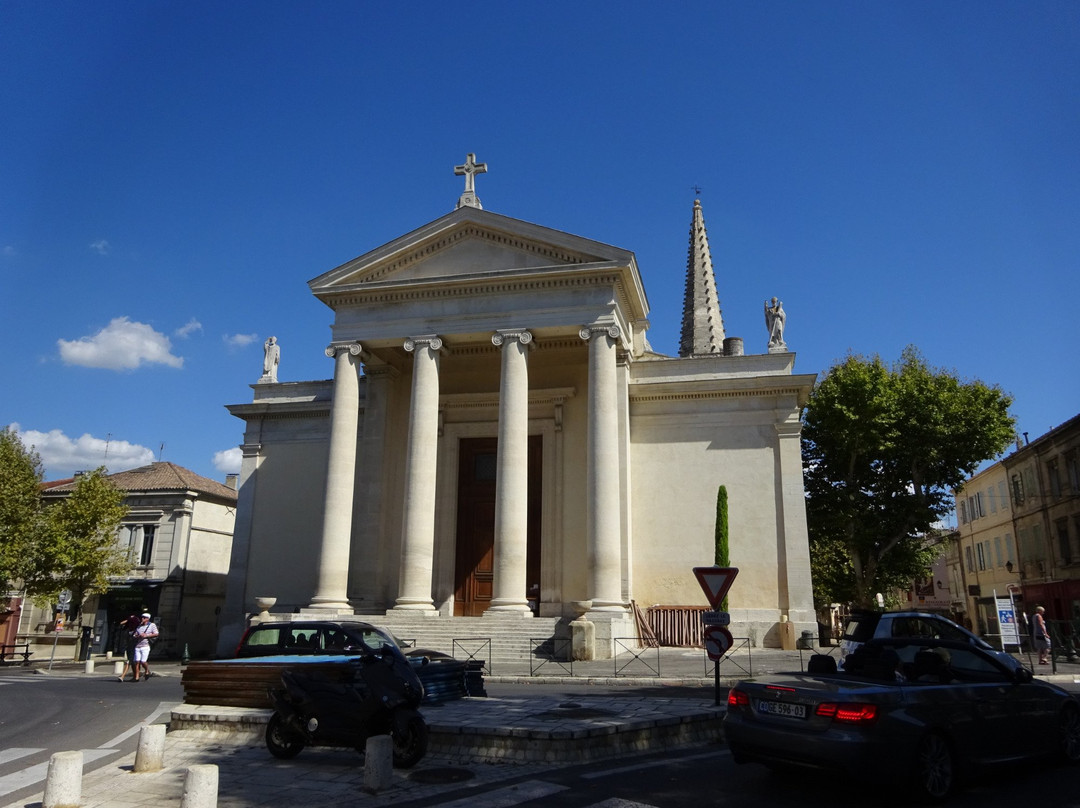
(715, 582)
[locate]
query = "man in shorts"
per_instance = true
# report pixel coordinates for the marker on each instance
(143, 635)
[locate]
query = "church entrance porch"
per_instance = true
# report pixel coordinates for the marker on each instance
(474, 568)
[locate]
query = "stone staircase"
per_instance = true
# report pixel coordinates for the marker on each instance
(494, 640)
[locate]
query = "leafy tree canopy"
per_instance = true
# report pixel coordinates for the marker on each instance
(20, 506)
(882, 449)
(78, 548)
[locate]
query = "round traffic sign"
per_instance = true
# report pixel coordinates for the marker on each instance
(65, 597)
(718, 641)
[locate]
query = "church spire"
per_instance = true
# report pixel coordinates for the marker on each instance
(702, 324)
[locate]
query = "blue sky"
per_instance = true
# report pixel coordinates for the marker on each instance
(172, 174)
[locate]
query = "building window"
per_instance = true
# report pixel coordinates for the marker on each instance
(1054, 478)
(1003, 495)
(1062, 526)
(993, 499)
(970, 559)
(1072, 471)
(1018, 489)
(981, 555)
(146, 552)
(963, 512)
(979, 504)
(999, 560)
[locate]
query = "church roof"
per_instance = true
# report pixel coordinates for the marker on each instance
(486, 243)
(160, 476)
(702, 324)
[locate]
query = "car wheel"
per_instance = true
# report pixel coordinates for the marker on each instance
(282, 743)
(935, 768)
(1069, 734)
(410, 738)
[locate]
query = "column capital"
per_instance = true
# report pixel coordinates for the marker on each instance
(432, 341)
(353, 348)
(587, 332)
(502, 335)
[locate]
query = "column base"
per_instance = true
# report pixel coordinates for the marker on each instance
(414, 605)
(521, 610)
(330, 605)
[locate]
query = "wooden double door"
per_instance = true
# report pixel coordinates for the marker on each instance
(475, 539)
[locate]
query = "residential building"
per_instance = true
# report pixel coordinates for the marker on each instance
(1043, 479)
(178, 534)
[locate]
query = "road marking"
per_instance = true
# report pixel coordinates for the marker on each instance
(615, 802)
(506, 797)
(16, 752)
(639, 766)
(162, 708)
(35, 774)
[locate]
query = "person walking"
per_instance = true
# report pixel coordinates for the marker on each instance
(145, 632)
(1042, 635)
(128, 626)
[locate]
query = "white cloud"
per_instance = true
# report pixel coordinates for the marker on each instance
(121, 345)
(189, 328)
(62, 456)
(239, 340)
(101, 247)
(228, 462)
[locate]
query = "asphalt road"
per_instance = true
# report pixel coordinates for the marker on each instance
(67, 710)
(40, 715)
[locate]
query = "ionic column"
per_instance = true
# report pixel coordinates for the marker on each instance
(331, 590)
(602, 494)
(418, 525)
(512, 477)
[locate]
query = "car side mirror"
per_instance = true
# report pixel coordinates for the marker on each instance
(1022, 676)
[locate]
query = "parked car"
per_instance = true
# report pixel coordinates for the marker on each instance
(862, 626)
(925, 713)
(308, 637)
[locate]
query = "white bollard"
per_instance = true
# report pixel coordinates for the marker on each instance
(63, 783)
(378, 764)
(118, 667)
(150, 755)
(89, 667)
(200, 787)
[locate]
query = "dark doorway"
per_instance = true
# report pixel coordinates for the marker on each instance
(475, 537)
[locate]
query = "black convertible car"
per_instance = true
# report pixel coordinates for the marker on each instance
(924, 713)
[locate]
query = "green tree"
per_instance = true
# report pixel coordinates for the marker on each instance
(77, 549)
(20, 507)
(722, 555)
(882, 449)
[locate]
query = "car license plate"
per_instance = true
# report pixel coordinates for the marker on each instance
(782, 708)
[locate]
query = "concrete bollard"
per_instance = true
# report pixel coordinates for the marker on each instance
(200, 787)
(63, 783)
(150, 755)
(378, 764)
(118, 667)
(89, 666)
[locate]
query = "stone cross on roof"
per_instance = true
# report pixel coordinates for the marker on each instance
(470, 169)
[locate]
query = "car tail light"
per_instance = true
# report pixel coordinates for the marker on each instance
(847, 713)
(737, 698)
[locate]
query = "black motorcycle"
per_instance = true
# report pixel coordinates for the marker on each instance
(345, 703)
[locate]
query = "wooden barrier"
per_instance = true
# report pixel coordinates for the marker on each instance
(247, 683)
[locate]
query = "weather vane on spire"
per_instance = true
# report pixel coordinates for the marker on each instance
(470, 169)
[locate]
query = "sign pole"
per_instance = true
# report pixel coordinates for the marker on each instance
(716, 682)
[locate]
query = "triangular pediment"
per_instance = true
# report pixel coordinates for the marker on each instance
(469, 243)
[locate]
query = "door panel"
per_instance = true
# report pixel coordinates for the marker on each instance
(475, 535)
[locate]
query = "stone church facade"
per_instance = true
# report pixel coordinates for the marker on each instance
(499, 439)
